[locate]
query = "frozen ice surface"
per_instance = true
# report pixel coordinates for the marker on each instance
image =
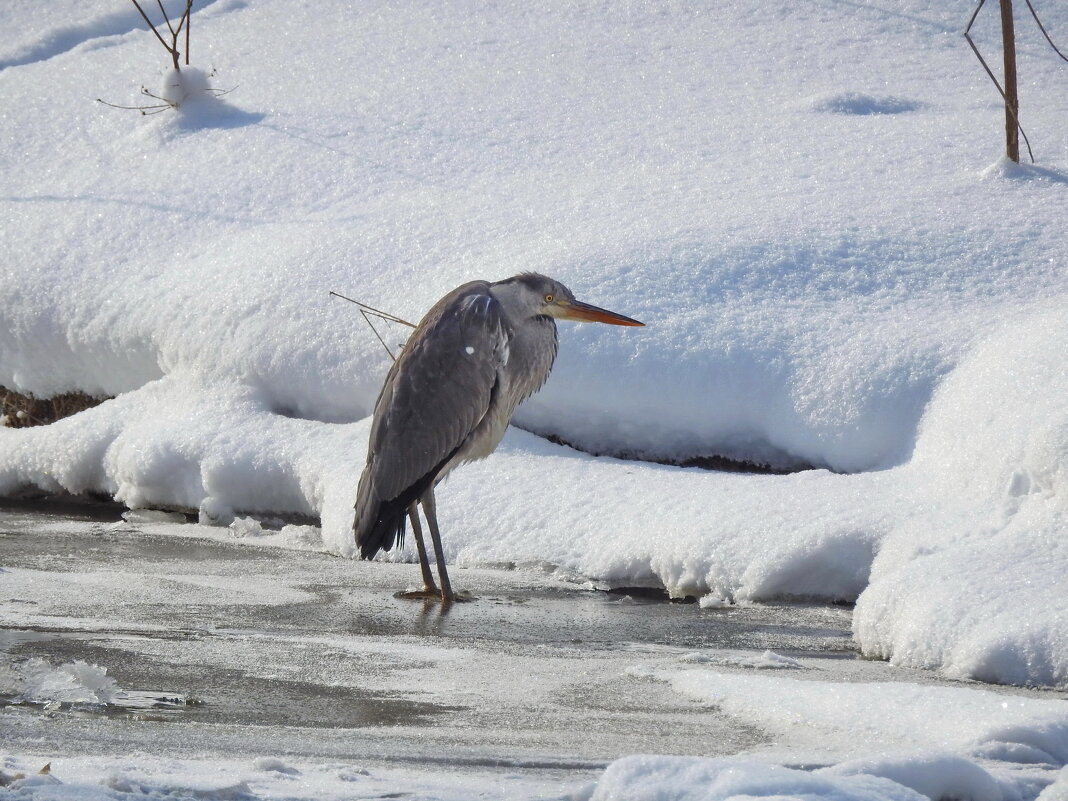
(805, 205)
(765, 661)
(312, 681)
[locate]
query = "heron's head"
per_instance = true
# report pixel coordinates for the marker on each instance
(546, 296)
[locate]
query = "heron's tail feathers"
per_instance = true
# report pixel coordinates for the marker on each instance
(379, 524)
(385, 532)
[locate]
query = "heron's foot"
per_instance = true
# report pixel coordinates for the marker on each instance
(427, 593)
(461, 597)
(432, 593)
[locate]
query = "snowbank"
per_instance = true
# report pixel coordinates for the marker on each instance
(974, 580)
(858, 741)
(830, 275)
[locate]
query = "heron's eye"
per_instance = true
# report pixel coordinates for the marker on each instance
(548, 298)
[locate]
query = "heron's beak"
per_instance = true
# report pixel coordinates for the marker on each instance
(586, 313)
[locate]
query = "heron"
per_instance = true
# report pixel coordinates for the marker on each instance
(477, 354)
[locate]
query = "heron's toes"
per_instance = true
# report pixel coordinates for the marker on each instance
(463, 596)
(419, 595)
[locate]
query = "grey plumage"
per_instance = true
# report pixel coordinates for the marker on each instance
(476, 355)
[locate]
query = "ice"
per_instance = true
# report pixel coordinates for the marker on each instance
(77, 682)
(765, 661)
(275, 765)
(311, 680)
(153, 516)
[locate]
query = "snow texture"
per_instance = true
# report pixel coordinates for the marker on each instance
(805, 205)
(857, 740)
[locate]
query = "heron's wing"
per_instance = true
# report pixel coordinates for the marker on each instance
(438, 390)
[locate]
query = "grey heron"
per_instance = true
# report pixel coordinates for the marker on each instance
(476, 355)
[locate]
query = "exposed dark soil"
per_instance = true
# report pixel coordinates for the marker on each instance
(23, 411)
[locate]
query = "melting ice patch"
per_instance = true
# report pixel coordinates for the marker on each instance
(35, 681)
(769, 660)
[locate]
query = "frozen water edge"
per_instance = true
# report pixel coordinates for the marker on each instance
(305, 668)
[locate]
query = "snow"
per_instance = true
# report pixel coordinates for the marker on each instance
(991, 526)
(807, 206)
(970, 721)
(861, 740)
(643, 778)
(110, 779)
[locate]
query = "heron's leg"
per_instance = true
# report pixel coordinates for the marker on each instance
(430, 510)
(429, 587)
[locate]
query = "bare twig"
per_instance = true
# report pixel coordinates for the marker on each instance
(150, 25)
(1008, 106)
(221, 92)
(163, 100)
(146, 110)
(376, 312)
(171, 48)
(1042, 28)
(1012, 97)
(368, 312)
(188, 25)
(166, 19)
(367, 319)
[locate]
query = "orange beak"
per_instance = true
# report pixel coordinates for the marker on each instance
(586, 313)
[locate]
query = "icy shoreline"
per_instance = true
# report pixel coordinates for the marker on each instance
(151, 658)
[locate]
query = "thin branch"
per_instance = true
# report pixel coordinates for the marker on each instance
(220, 92)
(971, 22)
(367, 319)
(166, 19)
(1042, 28)
(150, 25)
(178, 30)
(188, 24)
(368, 312)
(978, 55)
(146, 110)
(377, 312)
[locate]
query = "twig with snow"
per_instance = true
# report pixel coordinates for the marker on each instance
(178, 86)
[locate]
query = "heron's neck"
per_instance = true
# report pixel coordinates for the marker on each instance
(516, 301)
